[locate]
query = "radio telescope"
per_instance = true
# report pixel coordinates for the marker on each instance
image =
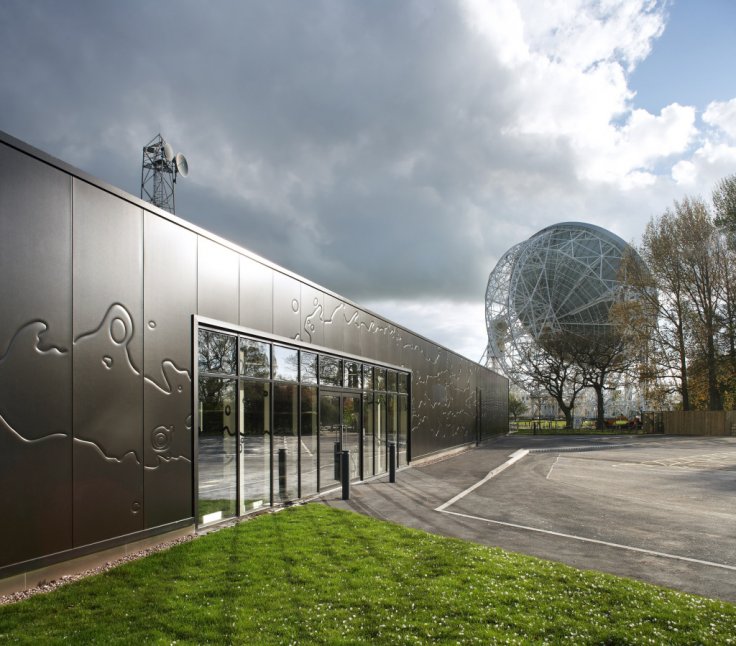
(563, 279)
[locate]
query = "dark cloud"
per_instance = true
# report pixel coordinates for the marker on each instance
(369, 146)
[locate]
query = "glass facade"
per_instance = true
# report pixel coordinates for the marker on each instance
(274, 420)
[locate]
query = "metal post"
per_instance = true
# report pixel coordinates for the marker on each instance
(392, 461)
(282, 474)
(338, 449)
(345, 460)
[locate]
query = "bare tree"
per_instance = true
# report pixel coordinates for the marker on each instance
(550, 364)
(663, 287)
(695, 231)
(724, 203)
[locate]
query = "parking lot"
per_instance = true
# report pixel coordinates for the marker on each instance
(660, 509)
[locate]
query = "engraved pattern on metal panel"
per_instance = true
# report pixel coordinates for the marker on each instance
(35, 361)
(107, 358)
(170, 299)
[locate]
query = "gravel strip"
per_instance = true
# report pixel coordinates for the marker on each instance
(48, 586)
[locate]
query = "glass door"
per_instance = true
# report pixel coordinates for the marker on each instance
(255, 445)
(330, 444)
(217, 449)
(351, 427)
(339, 430)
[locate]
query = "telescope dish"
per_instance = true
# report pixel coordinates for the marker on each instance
(182, 166)
(168, 152)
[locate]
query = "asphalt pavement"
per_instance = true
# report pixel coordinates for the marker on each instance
(659, 509)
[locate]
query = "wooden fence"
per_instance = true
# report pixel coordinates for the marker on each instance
(699, 422)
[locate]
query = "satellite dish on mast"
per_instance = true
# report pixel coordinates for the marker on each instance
(168, 152)
(158, 173)
(182, 167)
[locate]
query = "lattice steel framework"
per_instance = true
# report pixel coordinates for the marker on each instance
(158, 174)
(564, 278)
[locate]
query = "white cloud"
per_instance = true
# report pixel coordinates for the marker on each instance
(571, 59)
(714, 156)
(722, 115)
(458, 325)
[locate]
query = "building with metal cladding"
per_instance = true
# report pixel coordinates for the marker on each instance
(154, 377)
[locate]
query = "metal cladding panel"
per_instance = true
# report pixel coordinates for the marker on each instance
(107, 363)
(428, 434)
(35, 358)
(334, 323)
(368, 337)
(218, 270)
(256, 295)
(495, 404)
(170, 299)
(286, 306)
(351, 333)
(312, 315)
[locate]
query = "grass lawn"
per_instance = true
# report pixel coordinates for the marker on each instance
(313, 574)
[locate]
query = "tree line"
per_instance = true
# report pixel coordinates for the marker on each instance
(688, 348)
(672, 325)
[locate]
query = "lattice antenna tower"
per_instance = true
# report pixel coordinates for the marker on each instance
(159, 171)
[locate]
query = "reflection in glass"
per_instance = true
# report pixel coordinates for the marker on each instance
(255, 445)
(380, 429)
(309, 439)
(285, 363)
(330, 370)
(380, 378)
(403, 429)
(308, 374)
(352, 375)
(255, 358)
(329, 440)
(217, 449)
(217, 352)
(403, 382)
(392, 410)
(369, 468)
(351, 426)
(367, 377)
(391, 380)
(285, 442)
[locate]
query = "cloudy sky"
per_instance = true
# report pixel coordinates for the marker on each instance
(390, 150)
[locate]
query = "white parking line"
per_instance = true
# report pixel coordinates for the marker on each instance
(592, 540)
(515, 457)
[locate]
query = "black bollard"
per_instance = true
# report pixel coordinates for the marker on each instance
(345, 473)
(282, 474)
(392, 461)
(338, 449)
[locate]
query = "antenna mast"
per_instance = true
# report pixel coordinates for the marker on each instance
(158, 173)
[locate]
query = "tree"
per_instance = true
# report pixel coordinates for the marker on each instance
(724, 203)
(550, 365)
(696, 232)
(662, 286)
(691, 261)
(517, 406)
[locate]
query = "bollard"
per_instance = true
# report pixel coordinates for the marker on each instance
(345, 459)
(282, 474)
(338, 449)
(392, 461)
